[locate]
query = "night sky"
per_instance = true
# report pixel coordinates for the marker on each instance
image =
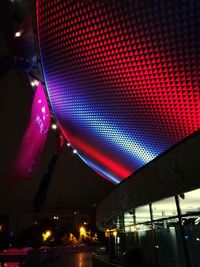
(74, 185)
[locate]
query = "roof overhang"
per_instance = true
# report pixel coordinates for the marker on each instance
(172, 173)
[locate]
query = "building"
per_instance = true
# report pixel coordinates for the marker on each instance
(158, 208)
(63, 218)
(122, 83)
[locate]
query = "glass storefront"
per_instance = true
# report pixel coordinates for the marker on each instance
(169, 229)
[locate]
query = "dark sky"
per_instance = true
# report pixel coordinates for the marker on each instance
(73, 182)
(74, 185)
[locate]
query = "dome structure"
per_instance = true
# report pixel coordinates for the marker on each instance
(122, 77)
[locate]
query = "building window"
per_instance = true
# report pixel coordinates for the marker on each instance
(190, 202)
(164, 208)
(142, 214)
(129, 221)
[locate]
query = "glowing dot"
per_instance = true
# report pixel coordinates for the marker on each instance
(43, 109)
(54, 126)
(39, 101)
(115, 233)
(75, 151)
(68, 144)
(18, 34)
(36, 82)
(46, 235)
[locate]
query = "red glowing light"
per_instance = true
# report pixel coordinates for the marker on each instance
(122, 74)
(114, 167)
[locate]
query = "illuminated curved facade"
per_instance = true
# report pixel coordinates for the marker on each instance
(122, 77)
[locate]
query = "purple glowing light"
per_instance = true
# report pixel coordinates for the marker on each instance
(34, 137)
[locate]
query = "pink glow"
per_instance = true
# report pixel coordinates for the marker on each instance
(15, 251)
(34, 137)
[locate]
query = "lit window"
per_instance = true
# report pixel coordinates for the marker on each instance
(142, 214)
(190, 201)
(164, 208)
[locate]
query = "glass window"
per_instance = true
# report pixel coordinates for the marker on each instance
(128, 218)
(164, 208)
(128, 221)
(190, 201)
(142, 214)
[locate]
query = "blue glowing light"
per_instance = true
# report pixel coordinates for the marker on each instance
(101, 171)
(121, 93)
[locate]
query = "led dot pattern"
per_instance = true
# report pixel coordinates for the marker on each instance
(122, 77)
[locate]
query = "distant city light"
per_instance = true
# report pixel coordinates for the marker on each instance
(115, 233)
(46, 235)
(68, 144)
(75, 151)
(18, 34)
(82, 231)
(107, 233)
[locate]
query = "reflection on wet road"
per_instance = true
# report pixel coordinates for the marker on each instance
(81, 259)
